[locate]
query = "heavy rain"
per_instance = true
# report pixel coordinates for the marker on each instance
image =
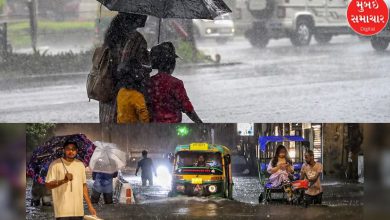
(68, 64)
(248, 65)
(342, 181)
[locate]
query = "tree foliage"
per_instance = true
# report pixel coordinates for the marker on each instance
(37, 133)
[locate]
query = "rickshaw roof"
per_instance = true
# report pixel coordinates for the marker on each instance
(202, 147)
(264, 140)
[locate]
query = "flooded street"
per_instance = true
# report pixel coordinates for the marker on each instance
(340, 201)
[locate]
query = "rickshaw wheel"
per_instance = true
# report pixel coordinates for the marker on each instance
(261, 197)
(305, 203)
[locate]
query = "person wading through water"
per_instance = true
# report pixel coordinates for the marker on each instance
(67, 180)
(147, 167)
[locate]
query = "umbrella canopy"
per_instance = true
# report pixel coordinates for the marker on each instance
(186, 9)
(107, 158)
(264, 140)
(44, 155)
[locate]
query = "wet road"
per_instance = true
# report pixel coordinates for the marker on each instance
(343, 81)
(153, 203)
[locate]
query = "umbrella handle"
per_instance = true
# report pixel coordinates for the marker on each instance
(100, 12)
(66, 170)
(159, 28)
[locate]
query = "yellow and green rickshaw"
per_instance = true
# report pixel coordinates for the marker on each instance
(202, 169)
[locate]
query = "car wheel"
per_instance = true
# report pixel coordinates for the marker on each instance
(257, 37)
(303, 33)
(262, 42)
(323, 38)
(379, 43)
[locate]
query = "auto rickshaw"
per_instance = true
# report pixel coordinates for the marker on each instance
(202, 169)
(267, 147)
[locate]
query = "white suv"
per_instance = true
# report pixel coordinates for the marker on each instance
(298, 20)
(221, 28)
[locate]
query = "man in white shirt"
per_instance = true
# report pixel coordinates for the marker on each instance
(66, 179)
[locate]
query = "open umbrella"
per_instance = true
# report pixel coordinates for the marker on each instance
(42, 157)
(107, 158)
(186, 9)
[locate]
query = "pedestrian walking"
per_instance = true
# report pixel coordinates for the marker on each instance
(131, 101)
(147, 167)
(66, 179)
(102, 185)
(125, 43)
(168, 95)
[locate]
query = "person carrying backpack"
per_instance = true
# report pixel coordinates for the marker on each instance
(122, 42)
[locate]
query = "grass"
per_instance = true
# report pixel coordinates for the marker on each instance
(53, 25)
(184, 49)
(41, 62)
(19, 33)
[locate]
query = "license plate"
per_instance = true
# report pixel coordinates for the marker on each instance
(196, 181)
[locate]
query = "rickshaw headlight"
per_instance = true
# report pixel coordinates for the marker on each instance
(180, 188)
(212, 188)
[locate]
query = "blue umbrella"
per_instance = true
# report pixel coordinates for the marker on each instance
(264, 140)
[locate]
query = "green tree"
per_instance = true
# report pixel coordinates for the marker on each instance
(1, 4)
(37, 133)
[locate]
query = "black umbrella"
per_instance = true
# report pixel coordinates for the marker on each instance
(186, 9)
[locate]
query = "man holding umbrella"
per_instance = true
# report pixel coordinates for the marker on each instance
(67, 180)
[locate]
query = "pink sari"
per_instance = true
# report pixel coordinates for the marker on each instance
(276, 179)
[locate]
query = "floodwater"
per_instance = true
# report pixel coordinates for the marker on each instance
(341, 201)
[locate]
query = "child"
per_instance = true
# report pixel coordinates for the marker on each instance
(168, 95)
(131, 104)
